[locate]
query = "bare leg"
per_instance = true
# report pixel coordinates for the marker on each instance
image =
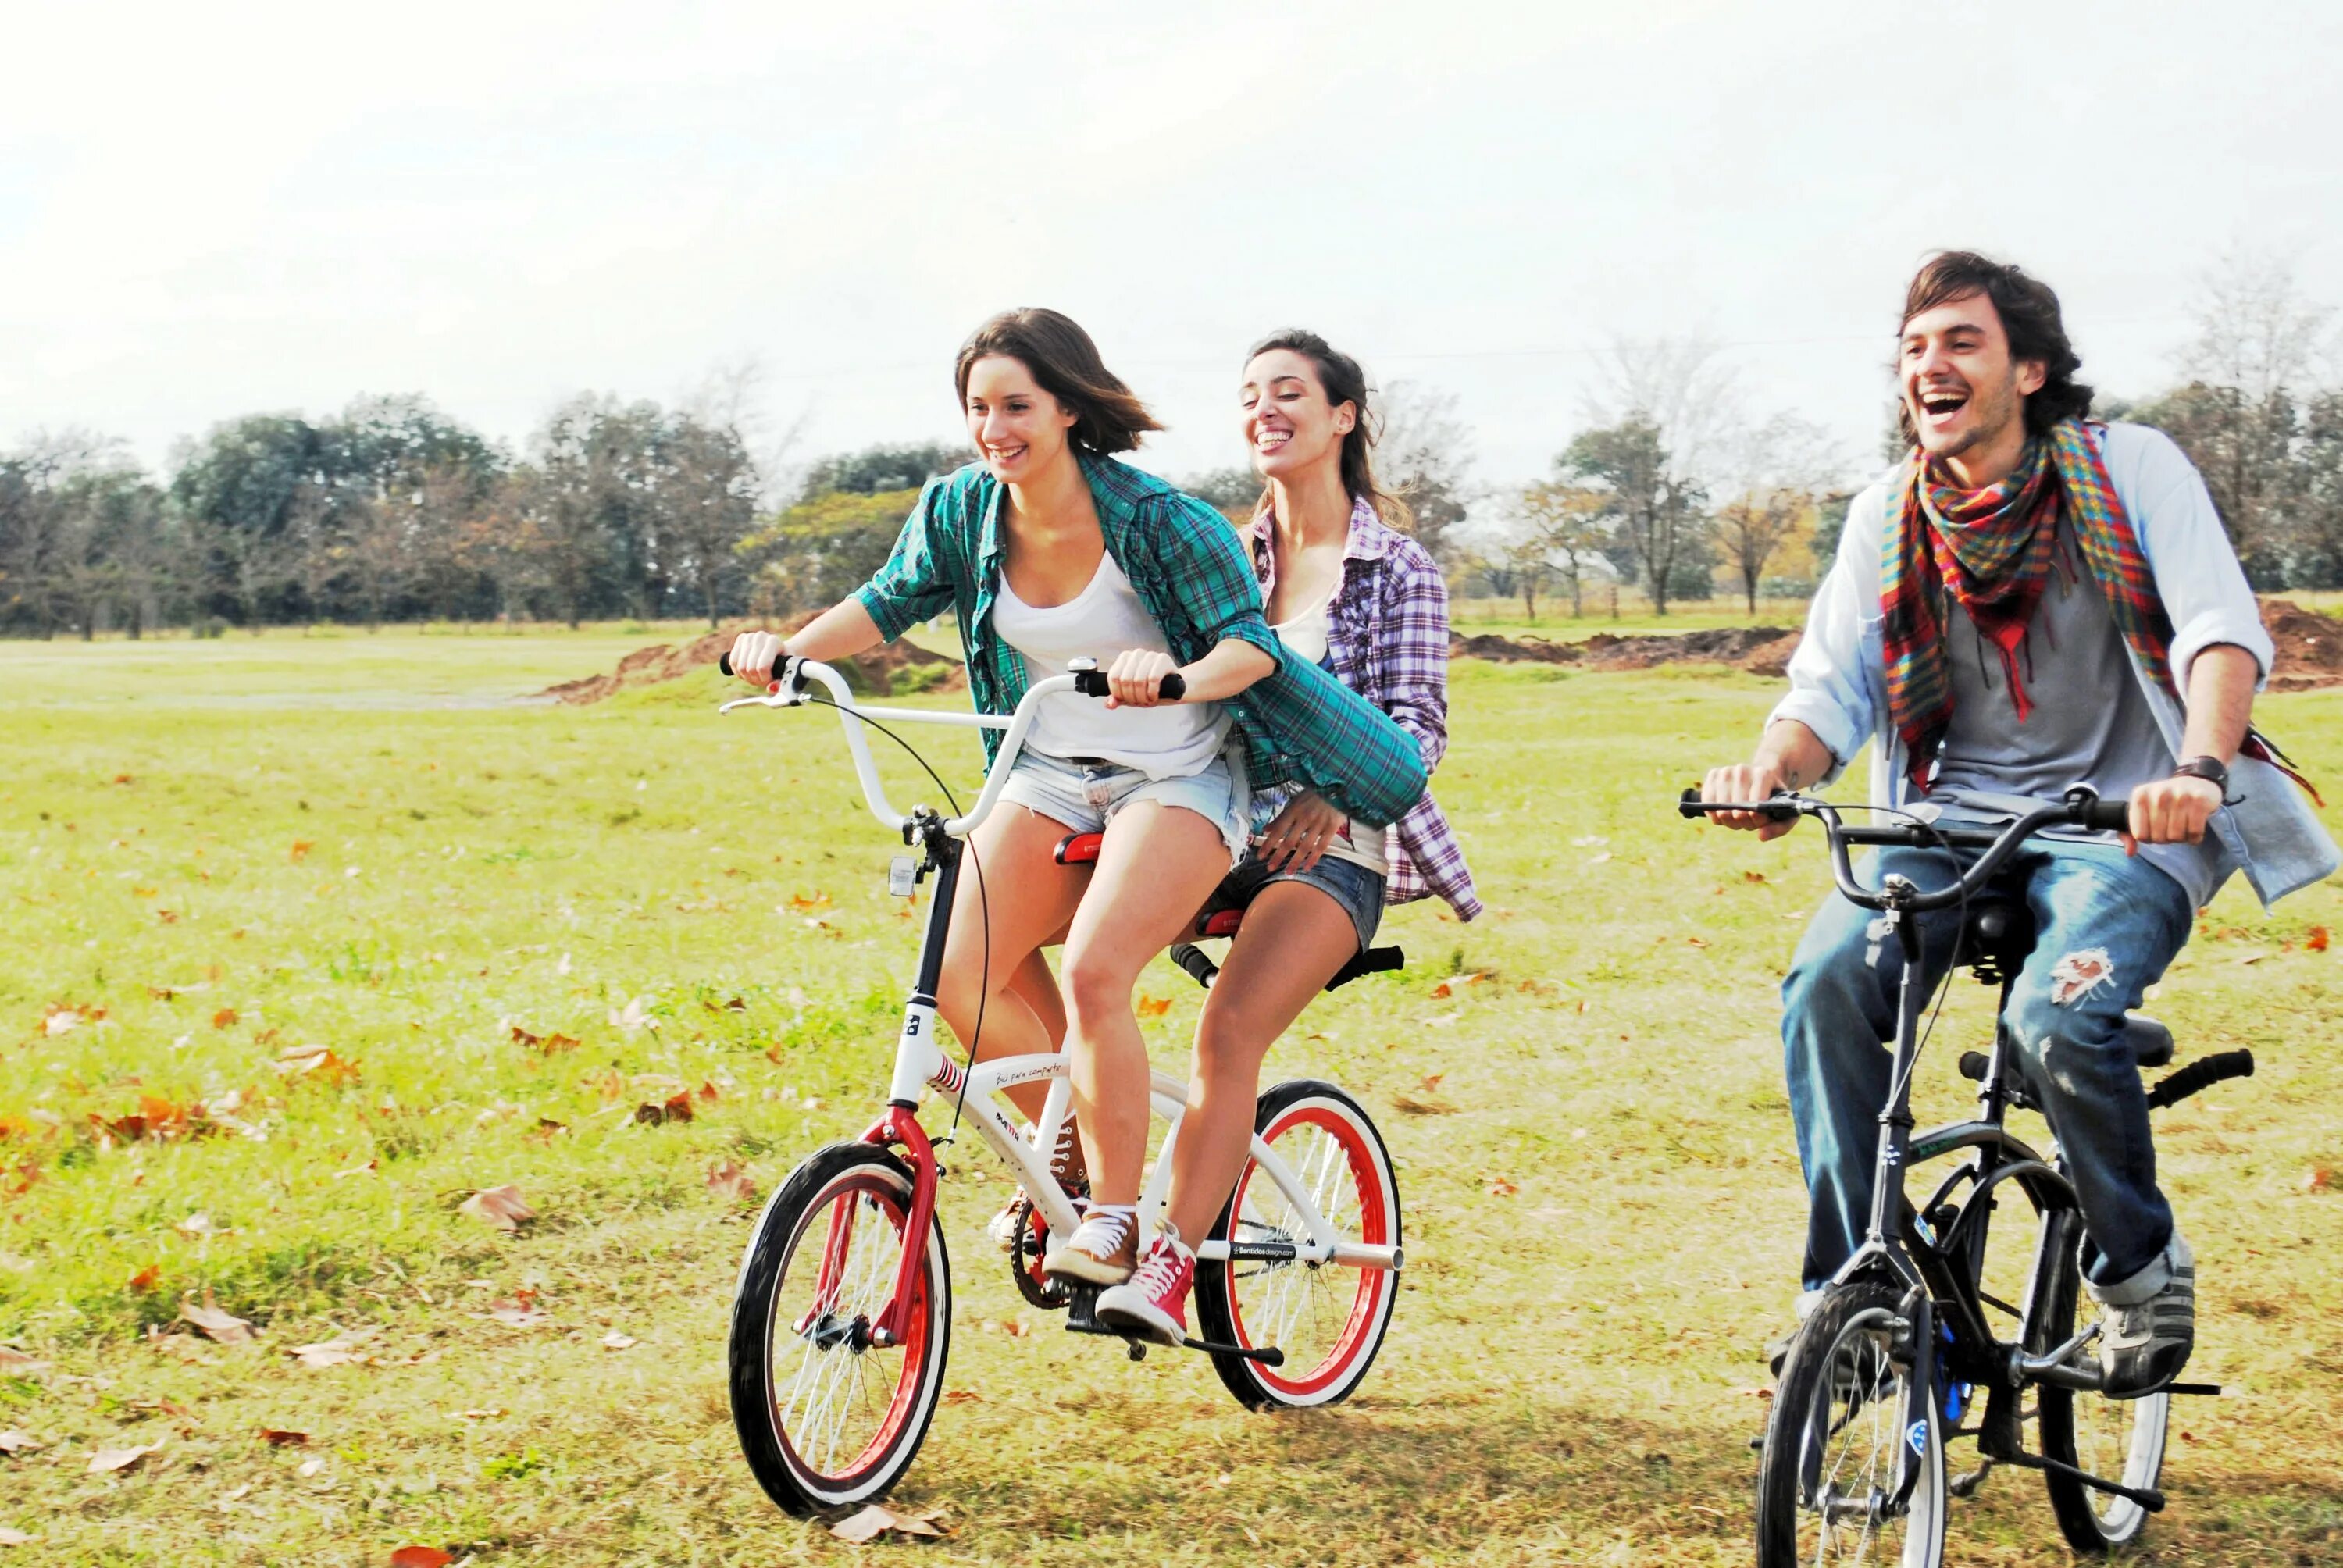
(1028, 895)
(1156, 866)
(1036, 988)
(1294, 939)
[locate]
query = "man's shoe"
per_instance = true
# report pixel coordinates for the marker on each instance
(2144, 1345)
(1153, 1303)
(1102, 1250)
(1777, 1349)
(1073, 1179)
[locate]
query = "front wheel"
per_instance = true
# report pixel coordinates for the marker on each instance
(1327, 1318)
(827, 1416)
(1827, 1490)
(2120, 1439)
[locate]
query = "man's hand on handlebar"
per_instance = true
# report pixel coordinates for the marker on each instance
(2171, 811)
(1756, 780)
(1136, 678)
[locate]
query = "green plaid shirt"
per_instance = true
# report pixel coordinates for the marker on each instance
(1299, 724)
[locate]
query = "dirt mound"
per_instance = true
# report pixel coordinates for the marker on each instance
(1761, 649)
(880, 670)
(2310, 646)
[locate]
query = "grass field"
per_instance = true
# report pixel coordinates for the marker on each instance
(217, 854)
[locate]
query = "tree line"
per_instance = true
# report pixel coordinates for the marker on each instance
(392, 510)
(1676, 486)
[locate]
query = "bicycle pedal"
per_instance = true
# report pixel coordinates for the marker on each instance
(1081, 1310)
(1267, 1356)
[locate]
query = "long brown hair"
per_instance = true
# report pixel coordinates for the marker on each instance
(1109, 415)
(2030, 318)
(1342, 381)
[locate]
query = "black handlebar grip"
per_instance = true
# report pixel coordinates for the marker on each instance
(1973, 1065)
(1200, 968)
(2108, 816)
(1093, 683)
(2202, 1073)
(724, 662)
(1689, 804)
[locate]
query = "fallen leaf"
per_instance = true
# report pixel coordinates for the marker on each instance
(676, 1108)
(309, 1467)
(492, 1413)
(106, 1461)
(502, 1207)
(962, 1396)
(805, 906)
(16, 1443)
(2316, 1179)
(730, 1181)
(520, 1312)
(1424, 1105)
(1448, 988)
(1501, 1188)
(225, 1327)
(1697, 942)
(615, 1340)
(635, 1015)
(546, 1044)
(318, 1062)
(14, 1537)
(2316, 940)
(420, 1557)
(327, 1353)
(58, 1019)
(301, 848)
(875, 1520)
(1153, 1005)
(1753, 876)
(143, 1280)
(280, 1437)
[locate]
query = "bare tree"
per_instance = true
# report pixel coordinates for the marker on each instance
(1424, 455)
(2258, 343)
(1565, 528)
(1666, 414)
(1784, 468)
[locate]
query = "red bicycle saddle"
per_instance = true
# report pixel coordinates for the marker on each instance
(1082, 849)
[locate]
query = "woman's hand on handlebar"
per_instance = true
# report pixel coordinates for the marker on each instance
(753, 656)
(1136, 678)
(1748, 782)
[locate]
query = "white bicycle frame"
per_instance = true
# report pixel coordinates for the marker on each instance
(921, 1064)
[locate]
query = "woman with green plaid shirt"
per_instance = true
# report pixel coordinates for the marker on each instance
(1044, 542)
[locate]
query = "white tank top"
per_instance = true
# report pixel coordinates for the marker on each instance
(1306, 636)
(1104, 620)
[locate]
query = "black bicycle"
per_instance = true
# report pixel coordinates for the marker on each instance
(1907, 1341)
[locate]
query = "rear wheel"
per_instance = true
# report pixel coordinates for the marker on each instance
(1328, 1319)
(1836, 1444)
(825, 1415)
(2120, 1439)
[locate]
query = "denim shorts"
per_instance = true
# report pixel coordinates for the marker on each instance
(1086, 796)
(1357, 891)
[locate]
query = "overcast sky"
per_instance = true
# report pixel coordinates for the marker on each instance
(207, 211)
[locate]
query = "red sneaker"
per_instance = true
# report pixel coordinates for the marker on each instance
(1153, 1303)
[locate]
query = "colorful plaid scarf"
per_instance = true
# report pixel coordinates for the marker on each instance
(1993, 550)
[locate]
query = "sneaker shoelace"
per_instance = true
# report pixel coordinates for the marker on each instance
(1159, 1271)
(1100, 1235)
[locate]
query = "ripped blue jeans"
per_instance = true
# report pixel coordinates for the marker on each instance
(2106, 925)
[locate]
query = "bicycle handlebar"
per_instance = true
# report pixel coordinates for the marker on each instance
(788, 690)
(2082, 808)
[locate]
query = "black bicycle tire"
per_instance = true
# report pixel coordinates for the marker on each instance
(1214, 1315)
(2070, 1500)
(1803, 1378)
(750, 1366)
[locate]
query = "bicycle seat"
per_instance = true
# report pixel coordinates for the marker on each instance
(1079, 848)
(1996, 937)
(2149, 1041)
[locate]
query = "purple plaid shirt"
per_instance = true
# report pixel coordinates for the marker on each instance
(1387, 639)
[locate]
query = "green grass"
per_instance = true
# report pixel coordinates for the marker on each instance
(1570, 1376)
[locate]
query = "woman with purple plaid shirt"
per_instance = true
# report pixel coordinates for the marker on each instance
(1344, 589)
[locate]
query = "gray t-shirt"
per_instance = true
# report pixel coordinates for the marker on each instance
(2089, 724)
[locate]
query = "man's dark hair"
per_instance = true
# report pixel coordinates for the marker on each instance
(1109, 415)
(2029, 316)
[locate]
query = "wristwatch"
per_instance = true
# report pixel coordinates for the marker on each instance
(2209, 769)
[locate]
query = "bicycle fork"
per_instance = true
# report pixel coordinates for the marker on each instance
(920, 1062)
